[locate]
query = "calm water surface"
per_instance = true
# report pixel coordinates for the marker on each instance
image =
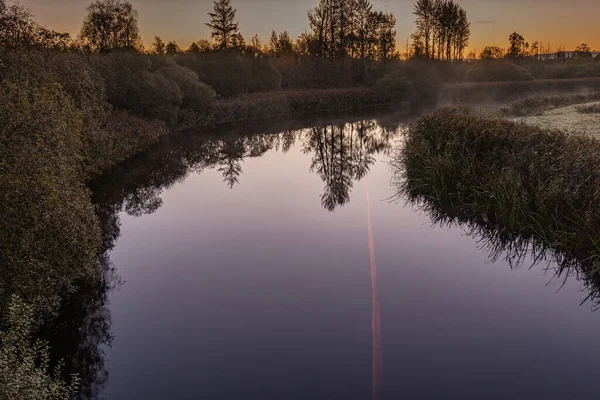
(275, 266)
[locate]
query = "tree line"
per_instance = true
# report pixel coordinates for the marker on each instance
(338, 29)
(520, 49)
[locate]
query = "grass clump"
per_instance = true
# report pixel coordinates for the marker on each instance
(520, 179)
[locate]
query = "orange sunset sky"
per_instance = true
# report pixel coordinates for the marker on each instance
(554, 22)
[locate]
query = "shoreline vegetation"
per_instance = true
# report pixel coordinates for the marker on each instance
(510, 179)
(72, 109)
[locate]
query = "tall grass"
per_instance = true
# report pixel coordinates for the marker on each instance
(516, 178)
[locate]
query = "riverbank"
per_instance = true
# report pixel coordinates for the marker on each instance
(535, 183)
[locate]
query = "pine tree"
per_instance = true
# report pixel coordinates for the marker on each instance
(225, 31)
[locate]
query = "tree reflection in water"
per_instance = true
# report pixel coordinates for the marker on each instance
(504, 244)
(342, 154)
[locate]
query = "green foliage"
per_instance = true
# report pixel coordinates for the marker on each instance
(25, 372)
(497, 71)
(50, 233)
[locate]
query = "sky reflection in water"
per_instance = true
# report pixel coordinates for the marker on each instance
(250, 272)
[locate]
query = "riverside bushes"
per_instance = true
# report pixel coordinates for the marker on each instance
(524, 180)
(50, 235)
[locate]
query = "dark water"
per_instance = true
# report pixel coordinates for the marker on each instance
(275, 266)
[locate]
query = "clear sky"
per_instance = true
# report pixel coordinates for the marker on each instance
(558, 22)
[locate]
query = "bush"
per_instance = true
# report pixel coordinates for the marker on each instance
(231, 73)
(423, 77)
(497, 71)
(50, 232)
(396, 84)
(25, 364)
(131, 86)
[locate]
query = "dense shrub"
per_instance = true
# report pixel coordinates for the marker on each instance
(311, 72)
(50, 233)
(496, 71)
(395, 83)
(423, 77)
(131, 86)
(522, 179)
(231, 73)
(197, 96)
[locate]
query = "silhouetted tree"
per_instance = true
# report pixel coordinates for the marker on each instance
(385, 35)
(225, 30)
(425, 13)
(491, 53)
(159, 47)
(109, 25)
(363, 12)
(194, 48)
(443, 29)
(204, 45)
(583, 50)
(281, 44)
(172, 48)
(19, 30)
(342, 28)
(518, 47)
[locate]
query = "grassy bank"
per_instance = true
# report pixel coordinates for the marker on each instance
(538, 104)
(518, 179)
(493, 92)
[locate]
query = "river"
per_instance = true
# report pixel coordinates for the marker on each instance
(282, 265)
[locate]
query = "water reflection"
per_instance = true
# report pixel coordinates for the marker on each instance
(503, 244)
(376, 335)
(81, 332)
(341, 154)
